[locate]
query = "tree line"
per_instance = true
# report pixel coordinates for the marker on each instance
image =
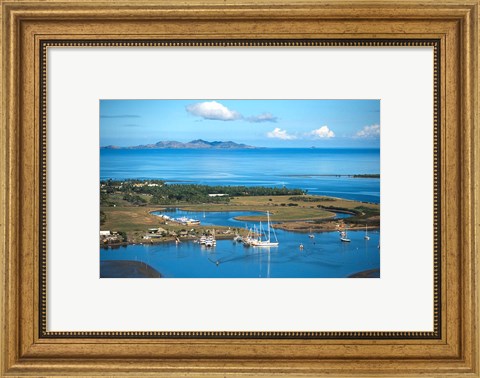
(161, 193)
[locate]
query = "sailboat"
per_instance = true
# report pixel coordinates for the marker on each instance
(366, 237)
(247, 240)
(310, 235)
(258, 242)
(344, 238)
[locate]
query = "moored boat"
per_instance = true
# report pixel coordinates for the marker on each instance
(343, 237)
(187, 221)
(267, 242)
(210, 241)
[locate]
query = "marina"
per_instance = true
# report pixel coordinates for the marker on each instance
(324, 258)
(289, 255)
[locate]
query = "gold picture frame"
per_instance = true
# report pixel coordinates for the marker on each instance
(30, 27)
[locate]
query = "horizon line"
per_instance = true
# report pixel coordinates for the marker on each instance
(254, 147)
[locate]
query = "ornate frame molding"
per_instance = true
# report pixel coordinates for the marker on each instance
(27, 348)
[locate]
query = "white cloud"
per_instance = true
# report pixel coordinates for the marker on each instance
(372, 131)
(322, 133)
(264, 117)
(213, 110)
(277, 133)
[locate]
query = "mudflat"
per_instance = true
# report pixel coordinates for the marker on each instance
(127, 269)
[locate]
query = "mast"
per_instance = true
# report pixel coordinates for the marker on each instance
(268, 225)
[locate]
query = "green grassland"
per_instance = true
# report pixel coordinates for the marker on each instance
(304, 211)
(280, 208)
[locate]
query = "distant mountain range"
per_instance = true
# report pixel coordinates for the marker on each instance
(194, 144)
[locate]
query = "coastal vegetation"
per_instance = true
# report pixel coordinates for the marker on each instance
(157, 192)
(127, 206)
(360, 214)
(312, 199)
(367, 176)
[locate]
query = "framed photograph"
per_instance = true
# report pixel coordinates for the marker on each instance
(205, 209)
(240, 189)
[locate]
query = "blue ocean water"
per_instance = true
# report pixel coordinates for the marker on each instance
(320, 171)
(324, 256)
(327, 258)
(222, 218)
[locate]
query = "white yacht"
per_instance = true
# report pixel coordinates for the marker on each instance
(267, 242)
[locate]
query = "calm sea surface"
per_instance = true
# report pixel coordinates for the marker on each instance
(322, 257)
(272, 167)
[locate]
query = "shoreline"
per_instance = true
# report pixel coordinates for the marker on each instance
(160, 241)
(328, 226)
(248, 218)
(167, 240)
(298, 214)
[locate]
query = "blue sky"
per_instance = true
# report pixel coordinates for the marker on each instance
(261, 123)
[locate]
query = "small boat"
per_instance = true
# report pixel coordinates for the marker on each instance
(344, 238)
(237, 239)
(187, 221)
(251, 236)
(366, 237)
(247, 240)
(301, 246)
(211, 241)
